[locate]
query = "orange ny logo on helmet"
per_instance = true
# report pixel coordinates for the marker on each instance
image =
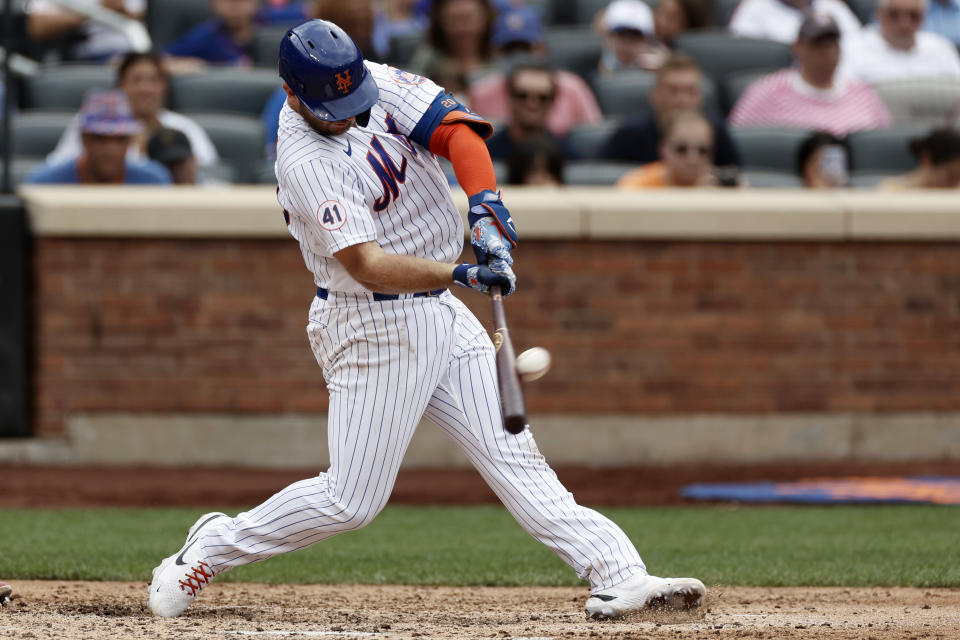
(344, 82)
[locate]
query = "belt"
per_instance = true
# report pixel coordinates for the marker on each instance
(380, 297)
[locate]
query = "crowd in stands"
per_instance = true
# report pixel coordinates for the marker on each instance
(634, 93)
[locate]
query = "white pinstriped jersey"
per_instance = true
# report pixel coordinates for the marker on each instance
(371, 183)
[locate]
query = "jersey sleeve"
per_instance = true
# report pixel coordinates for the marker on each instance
(417, 105)
(328, 201)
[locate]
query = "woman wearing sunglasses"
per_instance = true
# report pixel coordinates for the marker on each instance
(686, 157)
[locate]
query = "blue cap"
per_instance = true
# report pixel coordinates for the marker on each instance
(517, 24)
(107, 113)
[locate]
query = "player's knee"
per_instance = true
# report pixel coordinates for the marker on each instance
(358, 515)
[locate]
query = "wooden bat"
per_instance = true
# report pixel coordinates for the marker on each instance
(511, 393)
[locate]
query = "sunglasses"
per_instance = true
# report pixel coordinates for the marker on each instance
(915, 15)
(523, 96)
(703, 150)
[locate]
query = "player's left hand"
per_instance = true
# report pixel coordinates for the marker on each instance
(481, 278)
(492, 232)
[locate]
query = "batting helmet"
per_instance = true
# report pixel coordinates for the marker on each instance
(325, 70)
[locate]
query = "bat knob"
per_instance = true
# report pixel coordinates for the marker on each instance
(515, 424)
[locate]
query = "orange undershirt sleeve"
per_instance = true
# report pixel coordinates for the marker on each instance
(462, 146)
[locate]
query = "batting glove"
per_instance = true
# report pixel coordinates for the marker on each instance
(481, 278)
(492, 232)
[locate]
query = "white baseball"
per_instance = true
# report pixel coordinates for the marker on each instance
(533, 363)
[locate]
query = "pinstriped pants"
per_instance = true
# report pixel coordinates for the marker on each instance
(387, 364)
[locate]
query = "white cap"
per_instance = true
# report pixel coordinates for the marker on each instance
(629, 14)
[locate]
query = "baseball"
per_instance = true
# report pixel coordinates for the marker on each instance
(533, 363)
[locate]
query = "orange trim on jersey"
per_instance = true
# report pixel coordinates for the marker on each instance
(463, 147)
(475, 122)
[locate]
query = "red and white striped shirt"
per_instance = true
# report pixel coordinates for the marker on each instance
(784, 99)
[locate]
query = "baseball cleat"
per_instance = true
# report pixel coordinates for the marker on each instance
(179, 578)
(5, 592)
(643, 592)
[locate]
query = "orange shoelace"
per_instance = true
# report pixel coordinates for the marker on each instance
(196, 578)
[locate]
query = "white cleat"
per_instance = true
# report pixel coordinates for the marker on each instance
(179, 578)
(643, 592)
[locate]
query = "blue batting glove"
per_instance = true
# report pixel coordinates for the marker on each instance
(481, 278)
(492, 232)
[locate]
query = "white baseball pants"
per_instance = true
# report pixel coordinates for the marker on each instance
(387, 364)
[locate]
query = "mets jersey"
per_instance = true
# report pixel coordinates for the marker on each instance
(376, 183)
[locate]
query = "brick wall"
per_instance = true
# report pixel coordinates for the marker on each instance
(150, 325)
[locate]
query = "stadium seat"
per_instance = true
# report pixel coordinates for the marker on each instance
(865, 10)
(402, 47)
(736, 84)
(575, 49)
(627, 93)
(239, 141)
(36, 133)
(242, 91)
(167, 20)
(584, 11)
(883, 150)
(720, 54)
(769, 148)
(61, 87)
(868, 180)
(20, 168)
(591, 172)
(772, 180)
(588, 139)
(266, 44)
(723, 11)
(921, 102)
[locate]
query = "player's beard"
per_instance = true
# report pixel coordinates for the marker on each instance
(324, 127)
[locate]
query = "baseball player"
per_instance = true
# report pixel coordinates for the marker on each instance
(363, 193)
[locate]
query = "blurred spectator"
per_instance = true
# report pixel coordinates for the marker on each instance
(395, 18)
(107, 125)
(823, 161)
(536, 162)
(780, 20)
(673, 17)
(943, 17)
(630, 41)
(458, 43)
(812, 95)
(678, 88)
(227, 37)
(938, 163)
(896, 49)
(171, 148)
(517, 37)
(533, 89)
(356, 17)
(88, 40)
(142, 77)
(685, 155)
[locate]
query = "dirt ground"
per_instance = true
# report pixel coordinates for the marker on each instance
(102, 610)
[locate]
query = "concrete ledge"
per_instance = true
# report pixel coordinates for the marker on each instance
(299, 441)
(573, 213)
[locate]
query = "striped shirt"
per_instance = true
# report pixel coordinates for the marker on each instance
(376, 183)
(784, 99)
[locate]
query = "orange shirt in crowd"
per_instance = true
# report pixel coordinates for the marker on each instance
(649, 176)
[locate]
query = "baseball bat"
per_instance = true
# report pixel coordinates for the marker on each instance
(511, 393)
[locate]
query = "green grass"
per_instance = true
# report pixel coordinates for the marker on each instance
(842, 546)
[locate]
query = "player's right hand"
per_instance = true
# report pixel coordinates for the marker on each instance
(481, 278)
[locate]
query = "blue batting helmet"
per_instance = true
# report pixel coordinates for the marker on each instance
(325, 70)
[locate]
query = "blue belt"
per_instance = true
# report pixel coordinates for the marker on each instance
(380, 297)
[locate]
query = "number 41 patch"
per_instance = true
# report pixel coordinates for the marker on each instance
(331, 215)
